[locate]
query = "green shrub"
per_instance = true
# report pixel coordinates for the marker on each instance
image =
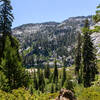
(92, 93)
(18, 94)
(22, 94)
(3, 82)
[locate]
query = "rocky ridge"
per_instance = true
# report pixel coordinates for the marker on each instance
(53, 39)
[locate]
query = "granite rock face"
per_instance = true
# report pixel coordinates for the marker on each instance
(96, 39)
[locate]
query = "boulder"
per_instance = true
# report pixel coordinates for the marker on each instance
(66, 95)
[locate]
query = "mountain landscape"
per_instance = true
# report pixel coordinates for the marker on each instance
(50, 40)
(50, 60)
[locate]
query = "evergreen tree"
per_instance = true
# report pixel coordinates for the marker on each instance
(41, 81)
(78, 58)
(56, 86)
(6, 19)
(12, 68)
(35, 81)
(55, 73)
(96, 17)
(51, 77)
(52, 88)
(47, 71)
(89, 57)
(63, 76)
(38, 72)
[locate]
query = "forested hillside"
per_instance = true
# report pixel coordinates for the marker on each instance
(49, 40)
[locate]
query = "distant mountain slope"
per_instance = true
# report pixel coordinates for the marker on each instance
(50, 39)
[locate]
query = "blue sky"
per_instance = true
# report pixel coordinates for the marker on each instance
(37, 11)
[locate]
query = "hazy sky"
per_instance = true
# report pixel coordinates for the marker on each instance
(36, 11)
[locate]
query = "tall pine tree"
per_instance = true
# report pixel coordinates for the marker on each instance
(78, 57)
(63, 76)
(55, 73)
(89, 57)
(12, 68)
(35, 81)
(6, 19)
(41, 81)
(47, 71)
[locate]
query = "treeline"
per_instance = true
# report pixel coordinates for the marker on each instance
(48, 80)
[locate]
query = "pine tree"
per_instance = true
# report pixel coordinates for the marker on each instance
(55, 73)
(41, 81)
(52, 88)
(56, 86)
(89, 57)
(47, 71)
(63, 76)
(38, 72)
(96, 17)
(6, 19)
(78, 58)
(12, 68)
(35, 81)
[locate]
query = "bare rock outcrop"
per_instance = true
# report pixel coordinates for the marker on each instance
(66, 95)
